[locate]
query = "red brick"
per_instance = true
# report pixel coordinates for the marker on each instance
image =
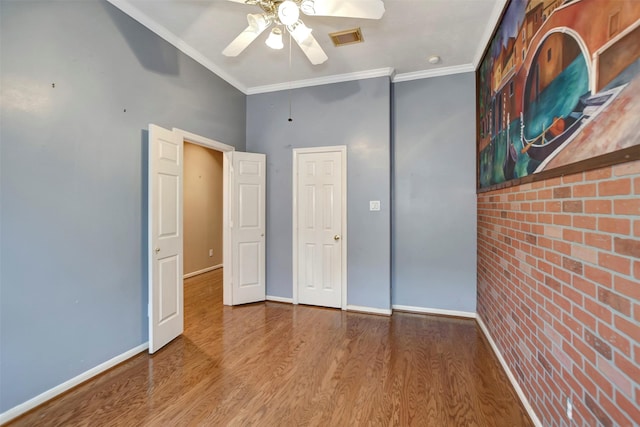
(572, 235)
(597, 206)
(569, 179)
(612, 410)
(615, 301)
(584, 380)
(601, 382)
(626, 207)
(573, 206)
(561, 192)
(572, 265)
(614, 225)
(619, 187)
(636, 185)
(584, 254)
(584, 350)
(598, 275)
(597, 174)
(602, 241)
(584, 286)
(627, 287)
(553, 206)
(588, 222)
(636, 269)
(626, 366)
(601, 346)
(632, 330)
(552, 182)
(627, 406)
(628, 247)
(615, 263)
(546, 218)
(614, 338)
(636, 228)
(596, 410)
(562, 247)
(562, 220)
(584, 190)
(601, 311)
(615, 376)
(628, 168)
(544, 194)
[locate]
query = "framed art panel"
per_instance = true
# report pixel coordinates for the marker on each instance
(558, 90)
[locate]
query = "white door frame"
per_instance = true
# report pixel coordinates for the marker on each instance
(226, 224)
(342, 149)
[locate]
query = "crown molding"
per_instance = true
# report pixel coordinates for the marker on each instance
(498, 7)
(444, 71)
(336, 78)
(176, 41)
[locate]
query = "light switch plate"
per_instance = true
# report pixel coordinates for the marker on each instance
(374, 205)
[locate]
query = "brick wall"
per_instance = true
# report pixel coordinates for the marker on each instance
(559, 291)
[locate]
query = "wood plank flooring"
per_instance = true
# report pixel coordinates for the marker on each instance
(272, 364)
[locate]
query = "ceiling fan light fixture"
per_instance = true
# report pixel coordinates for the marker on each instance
(258, 22)
(299, 31)
(274, 41)
(288, 12)
(307, 7)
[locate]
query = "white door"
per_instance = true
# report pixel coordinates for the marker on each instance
(248, 181)
(320, 217)
(166, 317)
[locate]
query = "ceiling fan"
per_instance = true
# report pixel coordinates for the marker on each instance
(286, 15)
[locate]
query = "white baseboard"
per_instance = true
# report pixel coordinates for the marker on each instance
(279, 299)
(425, 310)
(510, 375)
(369, 310)
(204, 270)
(20, 409)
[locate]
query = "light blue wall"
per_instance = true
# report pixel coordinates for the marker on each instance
(434, 217)
(72, 285)
(355, 114)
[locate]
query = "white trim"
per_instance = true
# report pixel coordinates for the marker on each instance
(176, 41)
(437, 72)
(203, 141)
(279, 299)
(20, 409)
(498, 7)
(438, 311)
(343, 150)
(336, 78)
(204, 270)
(227, 248)
(512, 378)
(369, 310)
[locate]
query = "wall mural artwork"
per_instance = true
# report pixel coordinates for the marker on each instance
(558, 84)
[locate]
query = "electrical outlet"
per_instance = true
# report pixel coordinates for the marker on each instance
(210, 252)
(569, 408)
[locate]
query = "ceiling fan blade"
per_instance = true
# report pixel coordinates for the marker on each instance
(244, 1)
(367, 9)
(310, 47)
(241, 42)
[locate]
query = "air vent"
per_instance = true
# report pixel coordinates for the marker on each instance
(342, 38)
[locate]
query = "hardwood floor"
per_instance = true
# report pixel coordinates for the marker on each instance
(277, 364)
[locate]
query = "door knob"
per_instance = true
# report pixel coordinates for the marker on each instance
(336, 237)
(157, 250)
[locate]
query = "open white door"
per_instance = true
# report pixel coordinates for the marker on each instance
(247, 212)
(166, 317)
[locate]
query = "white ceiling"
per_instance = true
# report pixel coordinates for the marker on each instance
(399, 44)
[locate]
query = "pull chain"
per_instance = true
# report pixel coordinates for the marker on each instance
(290, 119)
